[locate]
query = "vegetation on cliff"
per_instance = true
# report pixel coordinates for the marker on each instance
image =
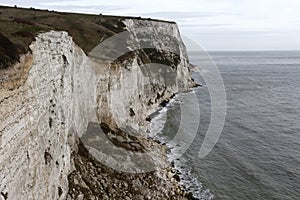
(19, 26)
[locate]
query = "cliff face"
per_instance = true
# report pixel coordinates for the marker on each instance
(58, 91)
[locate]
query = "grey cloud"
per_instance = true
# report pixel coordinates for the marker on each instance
(87, 7)
(203, 25)
(182, 15)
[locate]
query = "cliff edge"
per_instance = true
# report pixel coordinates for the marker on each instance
(63, 98)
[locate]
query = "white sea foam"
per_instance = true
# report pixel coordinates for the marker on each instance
(187, 180)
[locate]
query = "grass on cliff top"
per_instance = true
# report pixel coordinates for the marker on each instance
(19, 26)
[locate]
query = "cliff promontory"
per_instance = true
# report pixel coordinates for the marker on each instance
(66, 91)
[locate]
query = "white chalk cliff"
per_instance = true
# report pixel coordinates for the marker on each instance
(61, 91)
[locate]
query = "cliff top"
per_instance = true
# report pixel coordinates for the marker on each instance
(19, 26)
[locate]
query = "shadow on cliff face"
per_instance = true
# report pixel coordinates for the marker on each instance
(119, 150)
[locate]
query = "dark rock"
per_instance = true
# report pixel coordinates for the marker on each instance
(131, 112)
(190, 196)
(60, 191)
(164, 103)
(148, 119)
(173, 164)
(4, 195)
(47, 157)
(176, 177)
(172, 96)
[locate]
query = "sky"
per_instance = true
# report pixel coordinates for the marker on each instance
(212, 24)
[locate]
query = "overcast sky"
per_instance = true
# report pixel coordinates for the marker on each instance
(213, 24)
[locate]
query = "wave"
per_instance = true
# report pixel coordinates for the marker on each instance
(180, 165)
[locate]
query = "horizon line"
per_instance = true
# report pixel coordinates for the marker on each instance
(239, 50)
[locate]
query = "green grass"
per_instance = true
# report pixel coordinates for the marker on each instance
(18, 25)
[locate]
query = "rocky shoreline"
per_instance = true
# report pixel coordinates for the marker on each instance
(93, 180)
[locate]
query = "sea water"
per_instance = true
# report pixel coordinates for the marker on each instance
(258, 153)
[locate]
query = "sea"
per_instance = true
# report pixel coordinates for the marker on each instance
(257, 156)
